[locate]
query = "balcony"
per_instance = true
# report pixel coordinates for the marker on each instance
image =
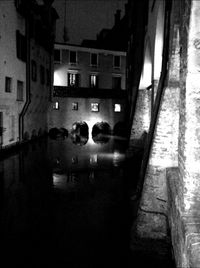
(80, 92)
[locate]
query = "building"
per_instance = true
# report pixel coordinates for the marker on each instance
(27, 37)
(89, 85)
(163, 96)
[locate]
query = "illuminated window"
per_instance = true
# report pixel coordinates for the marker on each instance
(56, 105)
(94, 107)
(8, 84)
(57, 55)
(20, 90)
(94, 59)
(75, 106)
(34, 70)
(116, 82)
(117, 107)
(117, 62)
(73, 57)
(93, 80)
(73, 79)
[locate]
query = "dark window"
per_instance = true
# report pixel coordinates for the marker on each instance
(117, 62)
(94, 59)
(73, 79)
(116, 82)
(8, 84)
(93, 81)
(21, 46)
(34, 70)
(57, 55)
(20, 90)
(42, 75)
(72, 57)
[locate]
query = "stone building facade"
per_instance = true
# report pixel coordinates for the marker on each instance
(167, 82)
(27, 36)
(84, 77)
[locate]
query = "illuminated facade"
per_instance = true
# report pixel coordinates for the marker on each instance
(88, 84)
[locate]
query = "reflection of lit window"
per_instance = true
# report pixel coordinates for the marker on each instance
(73, 79)
(93, 159)
(117, 107)
(93, 80)
(94, 107)
(74, 160)
(56, 105)
(75, 106)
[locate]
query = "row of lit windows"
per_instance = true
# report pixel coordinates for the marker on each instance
(9, 87)
(95, 107)
(94, 58)
(74, 80)
(44, 75)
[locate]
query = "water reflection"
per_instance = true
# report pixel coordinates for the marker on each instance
(58, 193)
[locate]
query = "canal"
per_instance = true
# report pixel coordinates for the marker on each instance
(65, 202)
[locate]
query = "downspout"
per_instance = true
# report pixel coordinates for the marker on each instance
(160, 91)
(28, 97)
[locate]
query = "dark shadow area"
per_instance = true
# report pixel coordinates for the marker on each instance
(55, 133)
(120, 129)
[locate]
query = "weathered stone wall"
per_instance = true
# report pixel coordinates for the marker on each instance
(142, 114)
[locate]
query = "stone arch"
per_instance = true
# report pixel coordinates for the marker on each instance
(80, 133)
(101, 132)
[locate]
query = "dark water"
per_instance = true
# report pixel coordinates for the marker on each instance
(66, 205)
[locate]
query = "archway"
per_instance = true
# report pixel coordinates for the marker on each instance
(80, 133)
(101, 132)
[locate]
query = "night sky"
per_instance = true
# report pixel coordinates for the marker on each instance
(85, 18)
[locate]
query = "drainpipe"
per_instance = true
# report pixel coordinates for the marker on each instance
(28, 95)
(160, 90)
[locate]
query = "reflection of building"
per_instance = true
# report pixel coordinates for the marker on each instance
(89, 84)
(27, 36)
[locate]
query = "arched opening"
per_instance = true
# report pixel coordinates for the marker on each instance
(101, 132)
(158, 48)
(120, 129)
(80, 133)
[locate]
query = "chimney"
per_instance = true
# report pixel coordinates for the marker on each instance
(117, 16)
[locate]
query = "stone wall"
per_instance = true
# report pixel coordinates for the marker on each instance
(142, 115)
